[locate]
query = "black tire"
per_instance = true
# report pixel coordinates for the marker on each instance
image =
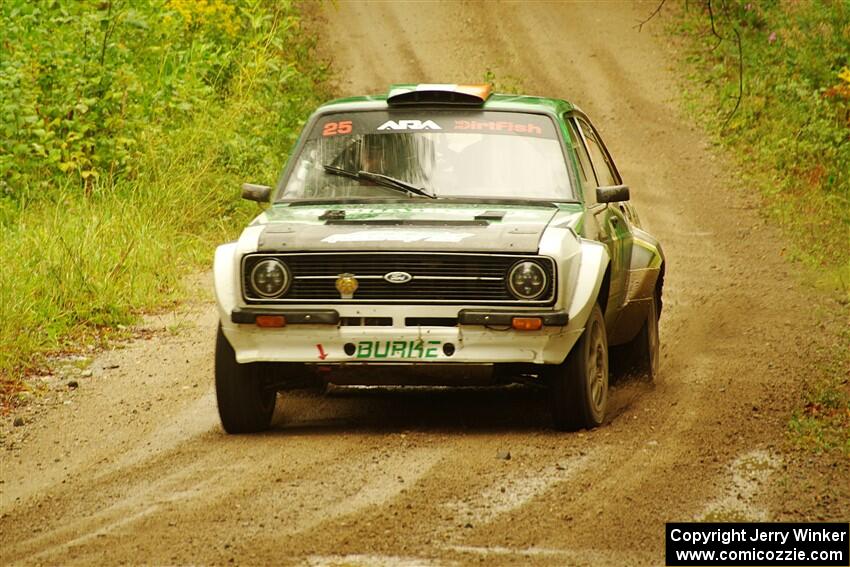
(245, 402)
(579, 385)
(643, 353)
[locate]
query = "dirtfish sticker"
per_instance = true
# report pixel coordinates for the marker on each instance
(397, 236)
(397, 349)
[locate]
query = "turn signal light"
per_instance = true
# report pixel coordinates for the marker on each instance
(270, 321)
(527, 323)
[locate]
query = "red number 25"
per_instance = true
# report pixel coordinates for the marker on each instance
(334, 128)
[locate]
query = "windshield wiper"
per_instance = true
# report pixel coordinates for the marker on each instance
(379, 179)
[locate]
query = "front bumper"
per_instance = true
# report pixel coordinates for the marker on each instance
(328, 342)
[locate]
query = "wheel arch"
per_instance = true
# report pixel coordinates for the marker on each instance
(645, 281)
(604, 290)
(591, 284)
(659, 288)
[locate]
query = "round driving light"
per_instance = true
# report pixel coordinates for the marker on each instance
(270, 278)
(527, 280)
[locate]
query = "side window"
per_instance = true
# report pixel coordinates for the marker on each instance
(604, 172)
(588, 177)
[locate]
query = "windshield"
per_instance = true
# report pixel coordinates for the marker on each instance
(445, 154)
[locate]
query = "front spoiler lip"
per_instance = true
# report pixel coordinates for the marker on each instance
(490, 317)
(293, 316)
(325, 344)
(487, 317)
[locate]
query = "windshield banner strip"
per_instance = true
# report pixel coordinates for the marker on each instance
(424, 121)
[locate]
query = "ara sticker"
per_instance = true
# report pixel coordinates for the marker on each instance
(397, 349)
(409, 125)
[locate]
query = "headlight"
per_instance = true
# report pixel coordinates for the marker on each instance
(270, 278)
(527, 280)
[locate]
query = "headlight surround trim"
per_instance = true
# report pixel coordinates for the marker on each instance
(284, 285)
(543, 287)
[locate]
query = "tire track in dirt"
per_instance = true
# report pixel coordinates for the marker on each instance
(138, 499)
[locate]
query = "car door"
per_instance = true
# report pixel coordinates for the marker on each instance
(612, 219)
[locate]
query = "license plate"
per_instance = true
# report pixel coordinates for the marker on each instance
(415, 349)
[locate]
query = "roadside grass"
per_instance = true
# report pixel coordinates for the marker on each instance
(791, 131)
(85, 254)
(790, 136)
(823, 423)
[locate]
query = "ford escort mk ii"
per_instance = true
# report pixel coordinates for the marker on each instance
(439, 231)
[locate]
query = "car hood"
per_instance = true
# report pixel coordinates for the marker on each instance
(428, 226)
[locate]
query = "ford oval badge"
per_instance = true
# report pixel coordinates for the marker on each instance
(398, 277)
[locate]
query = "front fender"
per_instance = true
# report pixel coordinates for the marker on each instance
(226, 280)
(582, 265)
(227, 272)
(593, 262)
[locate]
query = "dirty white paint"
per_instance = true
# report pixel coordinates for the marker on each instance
(398, 236)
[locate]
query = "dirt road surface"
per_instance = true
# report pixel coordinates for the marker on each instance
(133, 467)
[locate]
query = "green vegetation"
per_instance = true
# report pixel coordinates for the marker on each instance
(823, 423)
(790, 64)
(126, 128)
(792, 128)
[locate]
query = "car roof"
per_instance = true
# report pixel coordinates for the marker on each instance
(496, 101)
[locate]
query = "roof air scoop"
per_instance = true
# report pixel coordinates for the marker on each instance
(462, 95)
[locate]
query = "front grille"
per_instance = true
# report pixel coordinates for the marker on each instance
(436, 278)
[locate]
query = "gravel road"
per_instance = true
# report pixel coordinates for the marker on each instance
(133, 467)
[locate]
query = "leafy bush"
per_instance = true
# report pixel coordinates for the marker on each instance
(792, 128)
(125, 130)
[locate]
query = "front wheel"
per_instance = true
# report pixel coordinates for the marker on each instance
(579, 385)
(245, 400)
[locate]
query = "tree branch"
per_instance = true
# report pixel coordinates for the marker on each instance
(713, 28)
(106, 33)
(740, 78)
(652, 15)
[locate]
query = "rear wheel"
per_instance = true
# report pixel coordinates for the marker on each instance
(245, 400)
(643, 353)
(579, 385)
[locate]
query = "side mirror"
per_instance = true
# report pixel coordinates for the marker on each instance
(612, 194)
(259, 193)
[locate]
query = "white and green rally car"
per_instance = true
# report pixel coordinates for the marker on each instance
(438, 231)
